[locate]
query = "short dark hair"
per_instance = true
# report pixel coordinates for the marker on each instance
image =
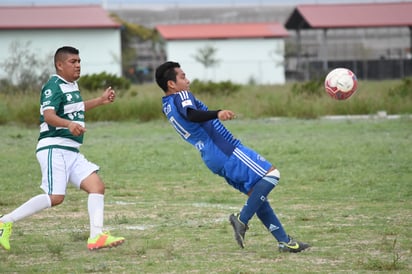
(62, 51)
(166, 72)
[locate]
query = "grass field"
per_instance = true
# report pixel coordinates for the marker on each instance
(346, 189)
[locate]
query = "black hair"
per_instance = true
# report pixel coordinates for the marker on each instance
(63, 51)
(166, 72)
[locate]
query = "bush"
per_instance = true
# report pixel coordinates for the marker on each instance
(100, 81)
(309, 88)
(7, 87)
(403, 90)
(213, 88)
(3, 113)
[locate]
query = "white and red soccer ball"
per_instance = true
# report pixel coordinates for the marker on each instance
(341, 83)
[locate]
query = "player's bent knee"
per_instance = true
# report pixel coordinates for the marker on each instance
(56, 199)
(274, 173)
(93, 184)
(272, 177)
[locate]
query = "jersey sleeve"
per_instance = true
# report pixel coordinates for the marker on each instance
(50, 98)
(184, 101)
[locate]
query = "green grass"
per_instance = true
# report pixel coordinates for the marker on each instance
(346, 188)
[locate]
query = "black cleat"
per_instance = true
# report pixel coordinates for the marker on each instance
(292, 246)
(239, 228)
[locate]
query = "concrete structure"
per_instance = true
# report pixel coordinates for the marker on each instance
(43, 29)
(243, 53)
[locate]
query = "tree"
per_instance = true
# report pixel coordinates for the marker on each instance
(25, 70)
(206, 56)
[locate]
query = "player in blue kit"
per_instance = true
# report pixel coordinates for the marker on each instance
(243, 168)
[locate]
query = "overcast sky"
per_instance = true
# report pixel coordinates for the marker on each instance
(182, 2)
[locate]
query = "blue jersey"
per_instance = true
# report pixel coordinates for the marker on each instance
(220, 151)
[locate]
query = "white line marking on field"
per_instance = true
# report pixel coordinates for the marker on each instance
(215, 206)
(210, 205)
(190, 222)
(139, 227)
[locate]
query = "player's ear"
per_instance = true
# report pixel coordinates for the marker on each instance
(171, 85)
(58, 65)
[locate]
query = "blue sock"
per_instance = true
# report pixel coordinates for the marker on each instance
(258, 196)
(272, 223)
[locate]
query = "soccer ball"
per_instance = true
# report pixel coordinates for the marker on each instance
(341, 83)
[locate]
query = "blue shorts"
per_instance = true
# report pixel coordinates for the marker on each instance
(244, 168)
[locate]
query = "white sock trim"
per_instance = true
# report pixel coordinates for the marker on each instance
(274, 173)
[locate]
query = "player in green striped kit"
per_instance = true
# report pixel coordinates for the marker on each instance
(62, 128)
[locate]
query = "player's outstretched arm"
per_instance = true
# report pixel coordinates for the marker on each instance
(108, 96)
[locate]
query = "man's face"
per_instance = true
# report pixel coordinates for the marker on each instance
(182, 83)
(69, 67)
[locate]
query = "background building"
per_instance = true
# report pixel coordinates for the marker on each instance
(43, 29)
(241, 53)
(374, 51)
(378, 50)
(374, 41)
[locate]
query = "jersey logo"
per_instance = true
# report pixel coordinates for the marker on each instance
(69, 97)
(186, 103)
(261, 158)
(167, 109)
(76, 115)
(273, 227)
(47, 93)
(46, 103)
(199, 145)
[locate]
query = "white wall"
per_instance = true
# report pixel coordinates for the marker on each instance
(100, 49)
(240, 60)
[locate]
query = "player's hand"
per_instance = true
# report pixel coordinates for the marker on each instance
(108, 96)
(224, 115)
(76, 129)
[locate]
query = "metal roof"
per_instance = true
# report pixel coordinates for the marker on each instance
(55, 17)
(365, 15)
(221, 31)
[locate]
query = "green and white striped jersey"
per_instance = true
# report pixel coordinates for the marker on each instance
(64, 97)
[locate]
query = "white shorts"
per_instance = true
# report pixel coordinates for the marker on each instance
(60, 166)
